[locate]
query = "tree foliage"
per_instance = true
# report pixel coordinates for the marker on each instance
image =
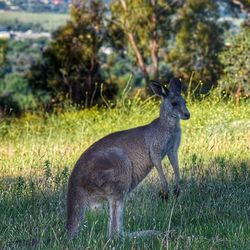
(237, 5)
(3, 52)
(235, 80)
(198, 41)
(8, 106)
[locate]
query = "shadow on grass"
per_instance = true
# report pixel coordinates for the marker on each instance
(212, 211)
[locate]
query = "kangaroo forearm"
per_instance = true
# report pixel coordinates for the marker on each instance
(173, 158)
(163, 179)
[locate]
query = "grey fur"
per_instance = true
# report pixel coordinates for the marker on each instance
(113, 166)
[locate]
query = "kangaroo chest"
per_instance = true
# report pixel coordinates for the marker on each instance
(171, 143)
(141, 167)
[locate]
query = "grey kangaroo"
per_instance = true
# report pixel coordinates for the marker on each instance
(113, 166)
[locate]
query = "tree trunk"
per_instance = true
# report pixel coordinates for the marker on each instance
(90, 81)
(134, 46)
(153, 43)
(138, 57)
(238, 94)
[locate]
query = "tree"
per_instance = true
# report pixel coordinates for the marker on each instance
(235, 80)
(142, 28)
(198, 41)
(70, 66)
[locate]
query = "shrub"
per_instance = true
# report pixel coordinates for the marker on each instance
(235, 80)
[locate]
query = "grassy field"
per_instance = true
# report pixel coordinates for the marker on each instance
(49, 21)
(213, 211)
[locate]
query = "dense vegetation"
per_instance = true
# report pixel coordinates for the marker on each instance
(236, 60)
(37, 155)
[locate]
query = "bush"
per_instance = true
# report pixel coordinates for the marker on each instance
(235, 80)
(8, 106)
(16, 95)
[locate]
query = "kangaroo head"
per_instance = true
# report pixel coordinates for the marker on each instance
(173, 103)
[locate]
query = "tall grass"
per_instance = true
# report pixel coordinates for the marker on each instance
(37, 154)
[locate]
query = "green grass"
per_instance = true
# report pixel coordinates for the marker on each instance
(213, 212)
(49, 21)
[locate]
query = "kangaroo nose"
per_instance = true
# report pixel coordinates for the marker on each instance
(187, 115)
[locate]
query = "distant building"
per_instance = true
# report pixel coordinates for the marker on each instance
(4, 35)
(21, 36)
(57, 2)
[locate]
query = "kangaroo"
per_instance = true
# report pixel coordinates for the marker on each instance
(113, 166)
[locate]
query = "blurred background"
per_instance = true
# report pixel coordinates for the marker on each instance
(56, 53)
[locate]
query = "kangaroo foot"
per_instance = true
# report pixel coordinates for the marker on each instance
(177, 191)
(163, 195)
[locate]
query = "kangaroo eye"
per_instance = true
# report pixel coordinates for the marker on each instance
(174, 104)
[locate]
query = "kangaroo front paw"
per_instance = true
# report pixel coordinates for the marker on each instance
(177, 191)
(163, 195)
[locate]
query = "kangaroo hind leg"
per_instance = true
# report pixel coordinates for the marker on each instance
(115, 217)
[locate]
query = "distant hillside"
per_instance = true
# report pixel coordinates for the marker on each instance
(48, 21)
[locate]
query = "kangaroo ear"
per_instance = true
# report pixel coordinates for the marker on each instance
(158, 89)
(175, 85)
